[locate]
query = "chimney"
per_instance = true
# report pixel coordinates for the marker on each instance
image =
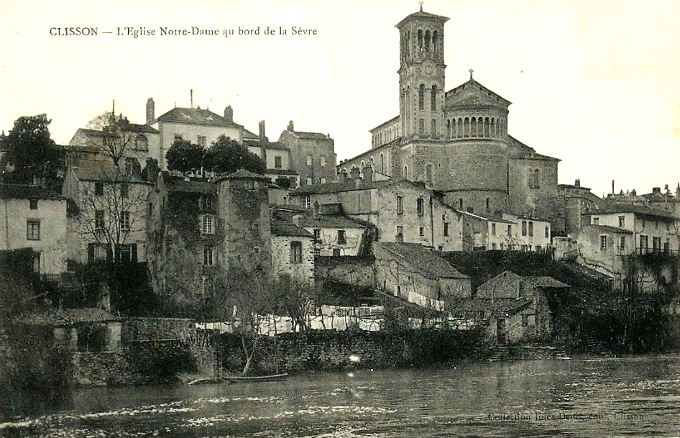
(577, 183)
(368, 173)
(290, 127)
(229, 114)
(150, 111)
(263, 138)
(656, 190)
(613, 187)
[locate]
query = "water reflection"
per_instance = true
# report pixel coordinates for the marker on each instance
(533, 398)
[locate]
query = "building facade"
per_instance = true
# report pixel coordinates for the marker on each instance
(455, 141)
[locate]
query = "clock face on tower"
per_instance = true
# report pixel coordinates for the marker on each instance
(428, 67)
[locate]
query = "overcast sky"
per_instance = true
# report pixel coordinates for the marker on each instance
(595, 83)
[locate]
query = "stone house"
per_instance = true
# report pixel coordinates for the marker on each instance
(140, 142)
(110, 212)
(401, 210)
(335, 234)
(515, 307)
(276, 157)
(199, 229)
(575, 202)
(635, 246)
(312, 155)
(418, 275)
(292, 251)
(35, 217)
(529, 233)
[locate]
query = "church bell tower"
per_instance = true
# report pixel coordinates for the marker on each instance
(421, 75)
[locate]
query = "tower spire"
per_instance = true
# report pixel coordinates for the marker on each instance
(421, 5)
(471, 71)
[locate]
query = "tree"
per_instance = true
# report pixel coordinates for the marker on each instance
(227, 155)
(30, 150)
(184, 156)
(116, 137)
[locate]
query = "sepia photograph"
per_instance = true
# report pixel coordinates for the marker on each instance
(361, 218)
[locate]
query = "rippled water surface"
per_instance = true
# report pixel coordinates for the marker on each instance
(583, 397)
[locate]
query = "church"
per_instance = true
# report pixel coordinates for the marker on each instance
(456, 141)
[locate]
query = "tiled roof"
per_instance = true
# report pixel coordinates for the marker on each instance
(196, 116)
(486, 217)
(25, 191)
(480, 86)
(496, 306)
(281, 172)
(245, 174)
(91, 170)
(133, 127)
(331, 221)
(310, 135)
(175, 184)
(637, 209)
(522, 151)
(424, 259)
(611, 229)
(544, 281)
(284, 228)
(392, 120)
(423, 15)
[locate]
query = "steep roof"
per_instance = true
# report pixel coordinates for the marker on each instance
(352, 185)
(282, 226)
(25, 191)
(425, 260)
(496, 306)
(330, 221)
(245, 174)
(196, 116)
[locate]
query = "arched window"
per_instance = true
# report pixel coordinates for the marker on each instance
(473, 127)
(466, 127)
(435, 42)
(537, 179)
(493, 127)
(382, 163)
(428, 173)
(488, 205)
(405, 174)
(420, 39)
(427, 41)
(448, 129)
(487, 129)
(141, 142)
(421, 96)
(530, 178)
(460, 204)
(433, 128)
(433, 98)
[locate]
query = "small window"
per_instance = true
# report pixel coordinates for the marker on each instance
(207, 227)
(603, 242)
(124, 190)
(32, 229)
(596, 221)
(488, 205)
(622, 242)
(531, 229)
(277, 162)
(421, 231)
(317, 235)
(509, 230)
(178, 137)
(308, 202)
(208, 256)
(322, 180)
(33, 204)
(342, 238)
(309, 181)
(322, 161)
(400, 204)
(125, 221)
(420, 206)
(98, 188)
(201, 141)
(446, 228)
(524, 228)
(309, 160)
(460, 204)
(336, 252)
(493, 229)
(206, 202)
(622, 221)
(296, 252)
(141, 142)
(400, 234)
(547, 232)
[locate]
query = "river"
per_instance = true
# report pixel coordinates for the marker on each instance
(591, 397)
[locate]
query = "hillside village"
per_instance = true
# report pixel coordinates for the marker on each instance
(443, 177)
